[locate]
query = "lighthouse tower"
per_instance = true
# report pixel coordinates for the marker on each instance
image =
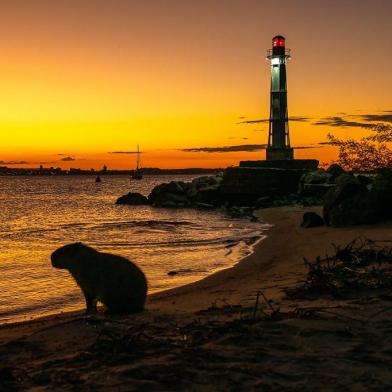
(278, 136)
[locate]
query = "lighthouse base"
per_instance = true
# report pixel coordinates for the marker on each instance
(279, 153)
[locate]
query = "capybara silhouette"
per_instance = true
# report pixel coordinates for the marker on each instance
(113, 280)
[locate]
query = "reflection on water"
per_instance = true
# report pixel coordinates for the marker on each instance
(39, 214)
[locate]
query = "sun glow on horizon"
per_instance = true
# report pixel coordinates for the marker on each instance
(178, 77)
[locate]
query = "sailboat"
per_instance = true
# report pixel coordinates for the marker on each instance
(138, 172)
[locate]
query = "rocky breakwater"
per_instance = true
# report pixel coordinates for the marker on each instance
(202, 192)
(237, 189)
(275, 180)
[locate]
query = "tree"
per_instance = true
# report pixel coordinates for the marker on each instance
(366, 154)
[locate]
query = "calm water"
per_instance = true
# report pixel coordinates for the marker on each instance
(40, 214)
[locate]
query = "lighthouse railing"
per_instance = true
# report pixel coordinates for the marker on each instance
(287, 54)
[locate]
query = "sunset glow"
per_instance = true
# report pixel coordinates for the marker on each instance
(85, 79)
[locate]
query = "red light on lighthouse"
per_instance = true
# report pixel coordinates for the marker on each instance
(278, 42)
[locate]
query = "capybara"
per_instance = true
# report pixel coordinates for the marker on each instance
(113, 280)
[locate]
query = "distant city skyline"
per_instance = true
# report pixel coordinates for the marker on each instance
(83, 84)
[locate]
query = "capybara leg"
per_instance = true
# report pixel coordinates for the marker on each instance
(91, 303)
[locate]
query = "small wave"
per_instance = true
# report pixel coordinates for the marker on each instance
(48, 304)
(150, 224)
(232, 241)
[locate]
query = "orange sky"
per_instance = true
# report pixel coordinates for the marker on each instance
(84, 78)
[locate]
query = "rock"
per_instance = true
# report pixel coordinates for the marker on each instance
(311, 219)
(177, 198)
(206, 190)
(311, 201)
(314, 184)
(240, 212)
(346, 178)
(351, 203)
(204, 206)
(335, 170)
(315, 190)
(168, 195)
(168, 204)
(134, 199)
(315, 177)
(264, 202)
(191, 192)
(365, 180)
(383, 186)
(208, 180)
(202, 190)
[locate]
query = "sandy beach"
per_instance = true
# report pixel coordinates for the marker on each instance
(208, 336)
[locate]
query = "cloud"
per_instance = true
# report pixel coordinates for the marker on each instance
(305, 147)
(234, 137)
(67, 159)
(242, 148)
(385, 117)
(14, 163)
(336, 121)
(266, 120)
(10, 163)
(124, 152)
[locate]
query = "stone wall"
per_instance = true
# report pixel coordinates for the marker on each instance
(249, 183)
(305, 164)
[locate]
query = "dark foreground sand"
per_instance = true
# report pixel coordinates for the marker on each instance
(207, 335)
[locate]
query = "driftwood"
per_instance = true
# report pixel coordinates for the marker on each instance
(361, 266)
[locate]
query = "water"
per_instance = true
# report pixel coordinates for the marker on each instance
(40, 214)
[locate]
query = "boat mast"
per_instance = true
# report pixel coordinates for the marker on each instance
(138, 158)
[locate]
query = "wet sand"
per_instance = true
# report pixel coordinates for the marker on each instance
(208, 336)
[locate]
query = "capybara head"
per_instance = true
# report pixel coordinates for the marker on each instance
(64, 257)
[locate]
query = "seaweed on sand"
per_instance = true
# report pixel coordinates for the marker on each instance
(362, 265)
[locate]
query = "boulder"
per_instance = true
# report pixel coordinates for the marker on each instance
(315, 177)
(345, 179)
(382, 184)
(211, 182)
(203, 190)
(335, 170)
(168, 194)
(240, 212)
(169, 204)
(204, 206)
(264, 202)
(315, 184)
(132, 198)
(311, 219)
(351, 203)
(366, 180)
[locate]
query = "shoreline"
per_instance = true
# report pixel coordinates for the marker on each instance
(31, 319)
(189, 335)
(259, 270)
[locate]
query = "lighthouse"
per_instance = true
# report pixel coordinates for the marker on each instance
(278, 136)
